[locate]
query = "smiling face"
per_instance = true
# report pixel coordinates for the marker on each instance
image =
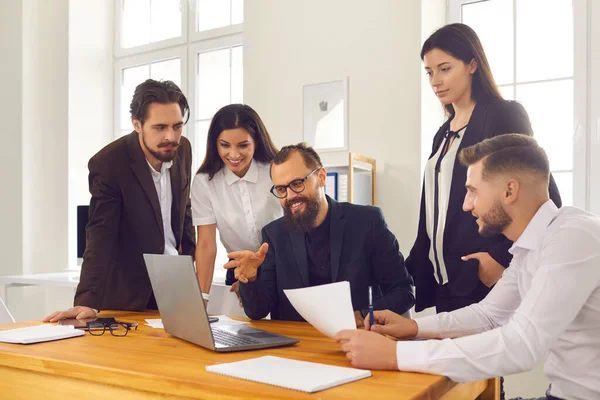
(236, 149)
(484, 201)
(161, 131)
(300, 209)
(449, 77)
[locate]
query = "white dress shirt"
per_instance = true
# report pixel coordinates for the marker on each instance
(162, 183)
(436, 234)
(240, 207)
(547, 303)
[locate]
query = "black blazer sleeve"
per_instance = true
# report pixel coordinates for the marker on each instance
(102, 235)
(396, 284)
(511, 117)
(260, 297)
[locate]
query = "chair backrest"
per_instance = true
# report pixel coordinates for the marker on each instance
(5, 317)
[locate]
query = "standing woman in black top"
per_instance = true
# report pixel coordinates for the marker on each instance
(453, 266)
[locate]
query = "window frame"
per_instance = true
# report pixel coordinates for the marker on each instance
(119, 51)
(580, 168)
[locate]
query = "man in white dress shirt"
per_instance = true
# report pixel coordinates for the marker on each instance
(547, 303)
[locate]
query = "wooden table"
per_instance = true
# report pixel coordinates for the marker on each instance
(150, 364)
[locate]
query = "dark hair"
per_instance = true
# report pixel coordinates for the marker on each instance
(309, 155)
(461, 42)
(231, 117)
(512, 152)
(163, 92)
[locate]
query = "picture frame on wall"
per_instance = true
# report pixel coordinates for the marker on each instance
(325, 115)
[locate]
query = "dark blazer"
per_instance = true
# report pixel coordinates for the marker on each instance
(125, 222)
(461, 231)
(363, 252)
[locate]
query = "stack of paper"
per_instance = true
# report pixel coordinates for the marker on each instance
(223, 320)
(291, 374)
(39, 333)
(326, 307)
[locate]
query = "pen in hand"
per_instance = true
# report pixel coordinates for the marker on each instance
(371, 320)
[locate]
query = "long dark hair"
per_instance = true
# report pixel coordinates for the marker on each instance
(461, 42)
(231, 117)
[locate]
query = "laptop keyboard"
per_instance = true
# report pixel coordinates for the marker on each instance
(229, 339)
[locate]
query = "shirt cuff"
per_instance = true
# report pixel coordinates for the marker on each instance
(412, 355)
(428, 327)
(203, 221)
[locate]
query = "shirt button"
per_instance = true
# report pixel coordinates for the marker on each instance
(322, 268)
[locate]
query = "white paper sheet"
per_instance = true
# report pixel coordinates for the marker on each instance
(222, 301)
(326, 307)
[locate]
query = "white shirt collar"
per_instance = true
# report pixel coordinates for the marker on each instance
(534, 232)
(165, 166)
(251, 175)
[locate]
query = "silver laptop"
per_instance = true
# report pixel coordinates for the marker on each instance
(181, 308)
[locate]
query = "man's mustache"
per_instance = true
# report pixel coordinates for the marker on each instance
(167, 144)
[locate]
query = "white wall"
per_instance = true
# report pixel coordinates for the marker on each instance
(91, 37)
(11, 235)
(60, 112)
(45, 145)
(289, 43)
(433, 16)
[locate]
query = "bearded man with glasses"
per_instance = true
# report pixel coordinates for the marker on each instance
(320, 241)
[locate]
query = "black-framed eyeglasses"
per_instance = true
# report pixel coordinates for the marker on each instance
(97, 328)
(297, 186)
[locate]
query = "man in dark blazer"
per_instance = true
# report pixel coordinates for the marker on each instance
(320, 241)
(140, 204)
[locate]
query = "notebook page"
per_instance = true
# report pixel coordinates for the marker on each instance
(291, 374)
(39, 333)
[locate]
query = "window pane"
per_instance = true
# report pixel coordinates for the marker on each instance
(167, 70)
(201, 135)
(165, 20)
(493, 22)
(507, 92)
(564, 181)
(213, 82)
(213, 14)
(131, 78)
(237, 75)
(550, 109)
(544, 43)
(237, 12)
(135, 23)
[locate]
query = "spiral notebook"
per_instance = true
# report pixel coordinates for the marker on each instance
(291, 374)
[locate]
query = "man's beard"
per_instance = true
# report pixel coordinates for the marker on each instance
(162, 156)
(304, 221)
(494, 221)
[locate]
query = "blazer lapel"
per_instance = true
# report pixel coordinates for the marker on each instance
(139, 165)
(176, 182)
(336, 237)
(299, 245)
(472, 135)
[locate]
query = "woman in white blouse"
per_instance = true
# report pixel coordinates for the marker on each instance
(231, 189)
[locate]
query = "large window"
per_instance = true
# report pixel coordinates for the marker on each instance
(531, 57)
(196, 44)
